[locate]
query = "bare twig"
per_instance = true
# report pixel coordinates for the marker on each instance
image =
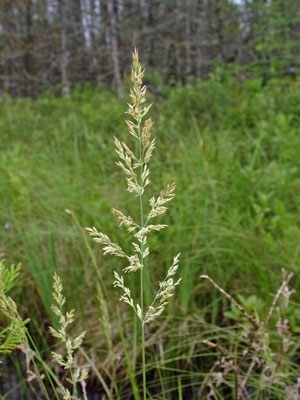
(253, 321)
(204, 383)
(214, 346)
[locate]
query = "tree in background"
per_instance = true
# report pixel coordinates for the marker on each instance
(55, 44)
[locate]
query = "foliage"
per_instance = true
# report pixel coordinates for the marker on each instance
(14, 334)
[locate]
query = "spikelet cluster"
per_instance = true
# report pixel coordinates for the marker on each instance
(78, 375)
(166, 290)
(134, 164)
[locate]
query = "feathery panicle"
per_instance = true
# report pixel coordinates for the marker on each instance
(134, 164)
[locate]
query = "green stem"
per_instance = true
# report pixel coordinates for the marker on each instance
(74, 384)
(142, 262)
(47, 370)
(144, 360)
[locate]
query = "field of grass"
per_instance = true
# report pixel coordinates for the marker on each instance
(233, 149)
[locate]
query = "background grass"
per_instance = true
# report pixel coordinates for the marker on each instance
(233, 149)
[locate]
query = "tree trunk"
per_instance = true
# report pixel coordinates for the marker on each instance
(151, 32)
(64, 52)
(114, 46)
(29, 38)
(199, 39)
(188, 69)
(219, 31)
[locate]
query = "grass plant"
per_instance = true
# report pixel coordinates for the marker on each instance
(77, 374)
(135, 167)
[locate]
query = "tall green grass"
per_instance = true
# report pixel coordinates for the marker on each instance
(233, 149)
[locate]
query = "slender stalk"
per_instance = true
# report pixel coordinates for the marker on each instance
(47, 370)
(143, 265)
(74, 384)
(144, 361)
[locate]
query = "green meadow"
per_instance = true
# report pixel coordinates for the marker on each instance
(232, 145)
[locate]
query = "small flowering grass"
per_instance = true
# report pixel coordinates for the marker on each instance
(78, 375)
(135, 165)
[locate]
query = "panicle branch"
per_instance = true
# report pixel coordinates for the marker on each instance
(125, 220)
(126, 297)
(165, 291)
(109, 246)
(158, 205)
